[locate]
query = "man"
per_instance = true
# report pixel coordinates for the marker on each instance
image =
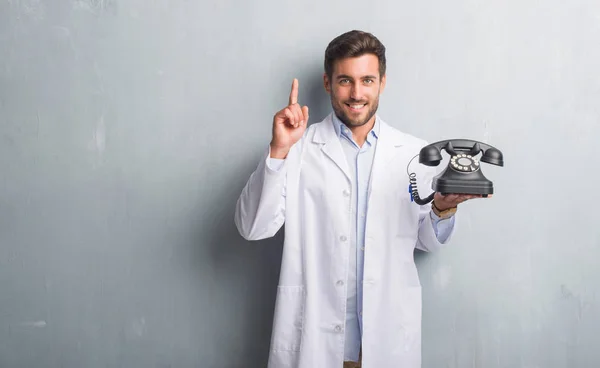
(349, 292)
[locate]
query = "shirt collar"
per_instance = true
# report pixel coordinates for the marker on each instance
(339, 128)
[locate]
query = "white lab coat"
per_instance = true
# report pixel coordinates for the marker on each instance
(310, 195)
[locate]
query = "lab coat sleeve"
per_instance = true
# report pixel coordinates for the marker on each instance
(260, 208)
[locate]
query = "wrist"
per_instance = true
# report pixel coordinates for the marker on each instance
(444, 213)
(278, 152)
(441, 207)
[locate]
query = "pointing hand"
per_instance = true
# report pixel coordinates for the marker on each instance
(288, 125)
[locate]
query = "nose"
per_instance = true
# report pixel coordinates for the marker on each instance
(356, 91)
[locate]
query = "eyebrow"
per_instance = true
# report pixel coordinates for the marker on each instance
(343, 76)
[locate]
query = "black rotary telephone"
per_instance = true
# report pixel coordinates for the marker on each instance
(463, 174)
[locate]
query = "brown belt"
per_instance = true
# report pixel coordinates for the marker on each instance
(355, 364)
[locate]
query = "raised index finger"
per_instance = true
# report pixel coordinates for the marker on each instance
(294, 93)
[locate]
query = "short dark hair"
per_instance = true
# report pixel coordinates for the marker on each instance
(353, 44)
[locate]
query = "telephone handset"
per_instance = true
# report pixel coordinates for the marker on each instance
(463, 174)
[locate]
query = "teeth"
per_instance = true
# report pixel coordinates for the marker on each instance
(357, 106)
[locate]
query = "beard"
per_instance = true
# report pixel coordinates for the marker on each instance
(354, 121)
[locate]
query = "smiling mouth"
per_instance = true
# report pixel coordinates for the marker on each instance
(356, 107)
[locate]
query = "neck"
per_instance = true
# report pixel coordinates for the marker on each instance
(359, 133)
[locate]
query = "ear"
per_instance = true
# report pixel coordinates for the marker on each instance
(382, 84)
(326, 83)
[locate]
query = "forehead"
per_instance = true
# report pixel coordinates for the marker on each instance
(356, 67)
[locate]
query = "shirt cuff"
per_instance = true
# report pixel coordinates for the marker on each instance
(275, 164)
(441, 227)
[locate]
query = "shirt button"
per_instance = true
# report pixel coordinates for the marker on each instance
(338, 328)
(340, 283)
(343, 238)
(346, 193)
(362, 248)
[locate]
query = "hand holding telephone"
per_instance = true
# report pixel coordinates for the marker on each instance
(463, 174)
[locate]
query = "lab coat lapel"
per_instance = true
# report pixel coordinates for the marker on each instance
(325, 134)
(389, 143)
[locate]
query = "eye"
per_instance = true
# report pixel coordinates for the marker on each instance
(369, 81)
(343, 81)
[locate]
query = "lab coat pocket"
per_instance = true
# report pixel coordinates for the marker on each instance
(288, 320)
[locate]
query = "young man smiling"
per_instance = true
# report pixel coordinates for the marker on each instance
(349, 292)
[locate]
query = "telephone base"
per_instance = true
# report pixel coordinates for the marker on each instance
(482, 195)
(450, 186)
